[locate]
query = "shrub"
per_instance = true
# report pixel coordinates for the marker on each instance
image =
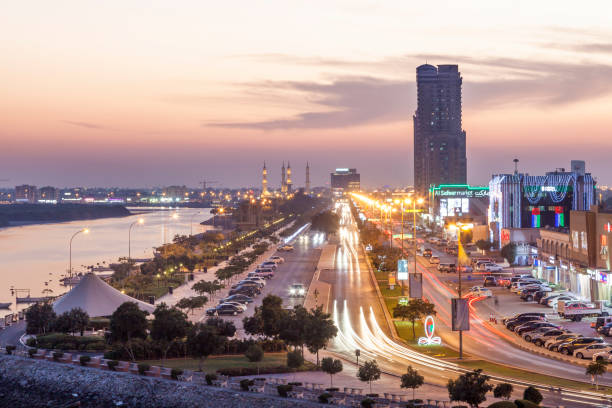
(32, 351)
(175, 372)
(95, 346)
(65, 346)
(210, 378)
(112, 364)
(283, 390)
(245, 384)
(368, 403)
(9, 349)
(525, 404)
(503, 404)
(113, 354)
(31, 342)
(142, 368)
(532, 394)
(294, 359)
(324, 398)
(332, 389)
(373, 395)
(84, 360)
(57, 355)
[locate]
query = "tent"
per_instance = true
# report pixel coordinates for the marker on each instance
(96, 297)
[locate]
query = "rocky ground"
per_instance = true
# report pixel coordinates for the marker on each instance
(35, 383)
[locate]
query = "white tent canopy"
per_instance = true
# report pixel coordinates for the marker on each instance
(96, 297)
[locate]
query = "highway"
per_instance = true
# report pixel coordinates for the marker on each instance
(362, 325)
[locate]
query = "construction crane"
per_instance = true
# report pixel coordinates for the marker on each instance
(205, 183)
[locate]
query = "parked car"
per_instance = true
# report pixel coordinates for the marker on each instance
(566, 298)
(531, 326)
(549, 297)
(514, 323)
(492, 267)
(551, 344)
(569, 347)
(601, 322)
(266, 275)
(478, 291)
(238, 298)
(516, 316)
(465, 268)
(605, 330)
(277, 259)
(264, 270)
(268, 264)
(434, 260)
(286, 248)
(257, 279)
(250, 291)
(538, 295)
(238, 304)
(447, 267)
(224, 309)
(489, 281)
(540, 338)
(297, 290)
(590, 351)
(540, 331)
(528, 295)
(603, 355)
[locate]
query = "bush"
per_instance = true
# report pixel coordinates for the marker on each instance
(210, 378)
(332, 389)
(175, 372)
(142, 368)
(503, 404)
(254, 353)
(84, 360)
(283, 390)
(112, 364)
(66, 346)
(244, 371)
(368, 403)
(57, 355)
(373, 395)
(31, 342)
(324, 398)
(532, 394)
(96, 346)
(32, 351)
(9, 349)
(525, 404)
(245, 384)
(295, 359)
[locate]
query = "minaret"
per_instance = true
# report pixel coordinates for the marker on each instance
(307, 186)
(283, 182)
(264, 181)
(289, 182)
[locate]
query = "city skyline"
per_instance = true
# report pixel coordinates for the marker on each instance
(130, 104)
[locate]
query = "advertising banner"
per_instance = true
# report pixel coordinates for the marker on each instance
(416, 285)
(460, 315)
(402, 269)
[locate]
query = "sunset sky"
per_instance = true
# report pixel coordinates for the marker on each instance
(152, 93)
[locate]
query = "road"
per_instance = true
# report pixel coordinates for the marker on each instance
(362, 325)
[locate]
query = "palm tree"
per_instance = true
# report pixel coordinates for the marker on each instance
(595, 369)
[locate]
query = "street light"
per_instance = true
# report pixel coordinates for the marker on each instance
(85, 231)
(191, 222)
(138, 221)
(459, 226)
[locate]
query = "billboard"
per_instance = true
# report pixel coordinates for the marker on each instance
(460, 315)
(402, 269)
(416, 285)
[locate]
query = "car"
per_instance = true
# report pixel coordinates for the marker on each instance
(266, 275)
(250, 291)
(552, 343)
(569, 347)
(590, 351)
(476, 261)
(603, 356)
(479, 291)
(427, 253)
(544, 300)
(491, 267)
(531, 326)
(224, 309)
(465, 268)
(434, 260)
(297, 290)
(489, 281)
(286, 248)
(257, 279)
(538, 295)
(528, 295)
(529, 335)
(238, 304)
(516, 316)
(555, 302)
(245, 283)
(277, 259)
(447, 267)
(238, 298)
(605, 330)
(601, 322)
(539, 337)
(268, 264)
(514, 323)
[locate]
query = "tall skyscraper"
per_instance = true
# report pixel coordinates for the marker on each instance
(264, 181)
(283, 179)
(439, 140)
(289, 182)
(307, 185)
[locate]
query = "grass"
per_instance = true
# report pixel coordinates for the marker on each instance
(503, 371)
(214, 363)
(404, 330)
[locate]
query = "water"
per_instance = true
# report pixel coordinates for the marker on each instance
(34, 254)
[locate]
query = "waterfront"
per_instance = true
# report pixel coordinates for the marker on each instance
(34, 254)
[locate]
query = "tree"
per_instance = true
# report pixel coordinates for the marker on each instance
(595, 369)
(532, 394)
(127, 323)
(202, 341)
(509, 252)
(191, 303)
(412, 379)
(79, 319)
(415, 309)
(40, 318)
(295, 359)
(293, 327)
(503, 390)
(331, 366)
(169, 325)
(369, 372)
(209, 287)
(326, 221)
(254, 354)
(469, 387)
(483, 245)
(320, 329)
(268, 318)
(223, 327)
(253, 325)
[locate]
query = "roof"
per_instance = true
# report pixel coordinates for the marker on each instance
(95, 297)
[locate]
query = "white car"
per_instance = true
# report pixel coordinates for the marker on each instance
(540, 336)
(566, 298)
(478, 291)
(277, 259)
(603, 355)
(589, 351)
(297, 290)
(491, 267)
(237, 304)
(434, 260)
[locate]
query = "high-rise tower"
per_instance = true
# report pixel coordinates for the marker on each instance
(289, 182)
(283, 179)
(307, 186)
(264, 181)
(439, 140)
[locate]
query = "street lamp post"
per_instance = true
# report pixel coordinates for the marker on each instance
(84, 230)
(138, 221)
(191, 223)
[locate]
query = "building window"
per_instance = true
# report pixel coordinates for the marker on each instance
(584, 242)
(575, 240)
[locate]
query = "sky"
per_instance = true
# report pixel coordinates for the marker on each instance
(151, 93)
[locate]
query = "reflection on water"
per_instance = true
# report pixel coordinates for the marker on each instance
(34, 254)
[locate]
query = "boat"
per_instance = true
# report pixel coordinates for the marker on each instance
(5, 305)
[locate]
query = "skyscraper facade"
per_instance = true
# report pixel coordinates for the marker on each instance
(439, 140)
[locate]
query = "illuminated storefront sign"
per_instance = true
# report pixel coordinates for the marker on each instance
(459, 191)
(429, 338)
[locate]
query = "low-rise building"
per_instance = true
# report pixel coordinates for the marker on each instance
(25, 194)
